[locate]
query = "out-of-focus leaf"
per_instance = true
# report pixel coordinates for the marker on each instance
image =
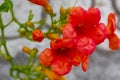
(9, 3)
(4, 7)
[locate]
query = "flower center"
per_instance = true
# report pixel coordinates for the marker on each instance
(83, 29)
(62, 51)
(79, 28)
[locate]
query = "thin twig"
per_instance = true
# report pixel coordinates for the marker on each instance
(93, 3)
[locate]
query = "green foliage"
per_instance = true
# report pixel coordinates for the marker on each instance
(9, 3)
(4, 7)
(30, 17)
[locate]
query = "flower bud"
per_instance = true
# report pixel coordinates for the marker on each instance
(37, 35)
(22, 33)
(49, 9)
(61, 28)
(43, 3)
(62, 11)
(69, 9)
(51, 75)
(38, 68)
(54, 26)
(62, 78)
(52, 36)
(30, 24)
(34, 51)
(26, 49)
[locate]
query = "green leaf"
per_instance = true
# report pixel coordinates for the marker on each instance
(4, 7)
(30, 17)
(9, 3)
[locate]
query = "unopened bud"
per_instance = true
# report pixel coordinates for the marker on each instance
(49, 9)
(30, 24)
(34, 51)
(52, 36)
(61, 28)
(62, 78)
(69, 9)
(37, 35)
(54, 26)
(22, 33)
(26, 49)
(38, 69)
(62, 11)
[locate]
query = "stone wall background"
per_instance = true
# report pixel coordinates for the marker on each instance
(104, 64)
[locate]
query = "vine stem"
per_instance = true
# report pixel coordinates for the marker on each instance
(13, 17)
(8, 23)
(4, 40)
(75, 2)
(15, 20)
(29, 60)
(51, 17)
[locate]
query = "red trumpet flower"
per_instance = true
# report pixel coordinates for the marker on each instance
(43, 3)
(112, 37)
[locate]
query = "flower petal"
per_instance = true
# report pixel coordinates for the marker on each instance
(68, 31)
(77, 16)
(114, 43)
(98, 33)
(111, 26)
(75, 58)
(85, 46)
(43, 3)
(61, 66)
(46, 57)
(93, 16)
(85, 61)
(61, 43)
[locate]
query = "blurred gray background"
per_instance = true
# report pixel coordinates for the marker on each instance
(104, 64)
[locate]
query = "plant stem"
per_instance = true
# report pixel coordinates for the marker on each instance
(8, 23)
(51, 17)
(14, 18)
(33, 62)
(4, 40)
(29, 60)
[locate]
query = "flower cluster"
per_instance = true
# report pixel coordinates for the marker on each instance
(80, 36)
(74, 36)
(82, 32)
